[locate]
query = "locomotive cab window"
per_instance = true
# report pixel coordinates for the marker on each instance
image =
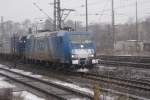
(80, 38)
(60, 39)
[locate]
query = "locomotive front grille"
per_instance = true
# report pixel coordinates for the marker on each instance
(83, 61)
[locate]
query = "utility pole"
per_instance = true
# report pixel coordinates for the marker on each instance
(137, 32)
(86, 4)
(2, 24)
(113, 24)
(2, 27)
(75, 26)
(54, 16)
(57, 15)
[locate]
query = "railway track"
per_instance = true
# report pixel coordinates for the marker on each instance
(48, 88)
(124, 63)
(135, 59)
(136, 88)
(130, 61)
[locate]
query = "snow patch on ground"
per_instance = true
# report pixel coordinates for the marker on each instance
(103, 97)
(74, 87)
(99, 66)
(23, 94)
(77, 99)
(22, 72)
(27, 96)
(106, 68)
(4, 84)
(27, 73)
(125, 55)
(1, 65)
(86, 90)
(2, 78)
(82, 70)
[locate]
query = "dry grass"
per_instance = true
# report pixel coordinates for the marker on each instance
(18, 97)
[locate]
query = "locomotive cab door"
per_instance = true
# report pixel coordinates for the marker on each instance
(60, 45)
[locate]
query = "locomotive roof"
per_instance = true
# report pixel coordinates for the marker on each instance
(42, 34)
(55, 33)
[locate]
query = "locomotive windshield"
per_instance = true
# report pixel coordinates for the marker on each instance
(78, 38)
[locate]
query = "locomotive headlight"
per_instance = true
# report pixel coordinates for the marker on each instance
(82, 46)
(73, 56)
(92, 55)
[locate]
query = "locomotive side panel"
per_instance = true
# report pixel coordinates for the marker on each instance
(47, 48)
(40, 50)
(55, 48)
(66, 49)
(29, 47)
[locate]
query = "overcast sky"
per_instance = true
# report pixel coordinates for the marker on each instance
(18, 10)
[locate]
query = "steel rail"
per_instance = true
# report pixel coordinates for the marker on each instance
(133, 85)
(129, 64)
(119, 81)
(68, 89)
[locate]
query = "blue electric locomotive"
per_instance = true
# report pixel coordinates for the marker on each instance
(73, 48)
